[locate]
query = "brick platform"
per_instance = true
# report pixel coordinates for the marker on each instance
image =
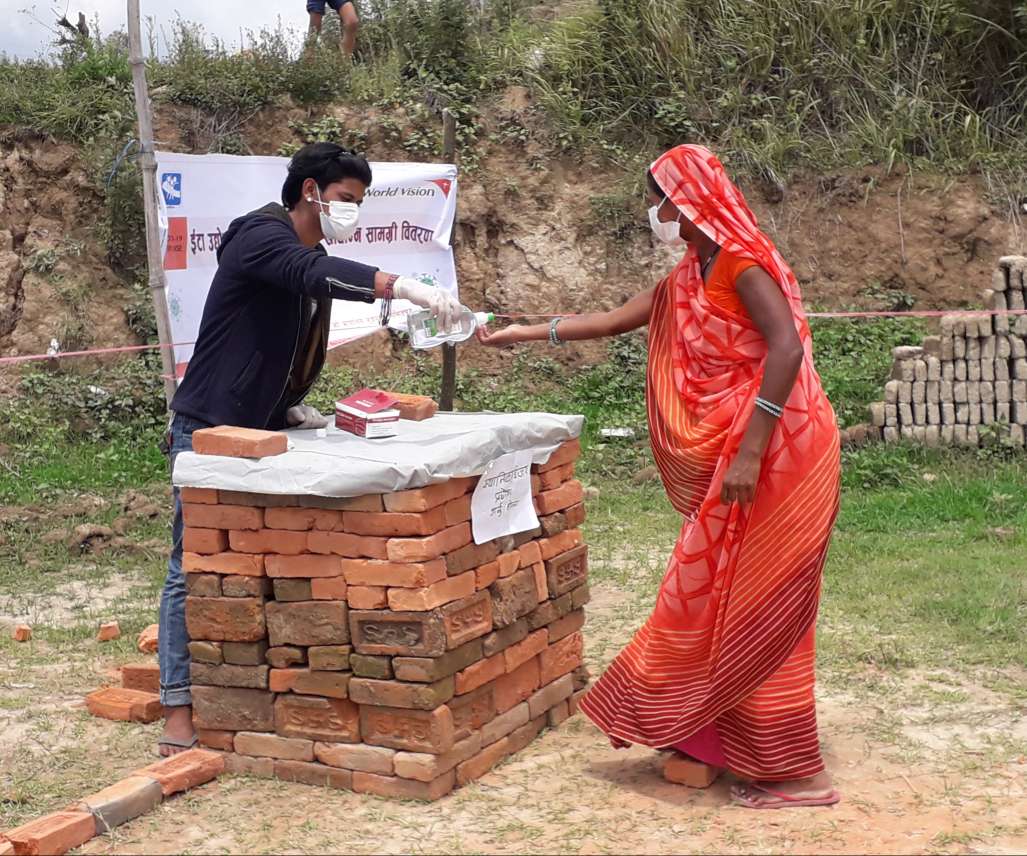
(369, 644)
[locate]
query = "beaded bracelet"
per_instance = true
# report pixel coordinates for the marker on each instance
(386, 312)
(554, 338)
(775, 410)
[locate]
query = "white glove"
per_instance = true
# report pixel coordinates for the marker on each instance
(304, 416)
(441, 304)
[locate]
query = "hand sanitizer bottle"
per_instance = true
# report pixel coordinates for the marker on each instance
(425, 333)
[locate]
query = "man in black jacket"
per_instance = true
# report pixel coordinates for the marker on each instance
(262, 343)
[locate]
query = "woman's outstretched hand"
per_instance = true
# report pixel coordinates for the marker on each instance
(741, 477)
(499, 338)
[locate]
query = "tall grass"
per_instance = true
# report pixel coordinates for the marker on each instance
(781, 82)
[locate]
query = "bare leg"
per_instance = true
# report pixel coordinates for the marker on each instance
(313, 31)
(350, 25)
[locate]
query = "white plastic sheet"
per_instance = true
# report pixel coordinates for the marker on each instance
(446, 446)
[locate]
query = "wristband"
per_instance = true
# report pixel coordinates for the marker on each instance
(387, 301)
(554, 338)
(775, 410)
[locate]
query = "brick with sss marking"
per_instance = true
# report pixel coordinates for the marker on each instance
(410, 730)
(409, 634)
(467, 619)
(185, 770)
(319, 719)
(561, 658)
(124, 705)
(567, 571)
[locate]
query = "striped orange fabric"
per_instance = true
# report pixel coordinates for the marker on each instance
(728, 652)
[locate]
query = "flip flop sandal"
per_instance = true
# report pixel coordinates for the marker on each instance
(785, 800)
(178, 744)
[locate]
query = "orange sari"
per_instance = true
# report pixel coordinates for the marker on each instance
(724, 667)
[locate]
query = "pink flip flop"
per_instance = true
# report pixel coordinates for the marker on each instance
(786, 800)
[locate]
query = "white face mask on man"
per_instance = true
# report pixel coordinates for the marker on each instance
(669, 232)
(340, 221)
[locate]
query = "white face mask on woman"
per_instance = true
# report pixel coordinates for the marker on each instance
(669, 232)
(340, 222)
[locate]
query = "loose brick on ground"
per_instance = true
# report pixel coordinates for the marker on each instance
(235, 564)
(222, 516)
(141, 676)
(233, 442)
(430, 597)
(391, 786)
(268, 541)
(22, 633)
(366, 759)
(52, 834)
(274, 746)
(185, 770)
(317, 775)
(124, 705)
(123, 801)
(684, 771)
(205, 541)
(306, 566)
(372, 572)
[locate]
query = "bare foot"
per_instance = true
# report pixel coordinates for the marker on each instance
(178, 731)
(816, 790)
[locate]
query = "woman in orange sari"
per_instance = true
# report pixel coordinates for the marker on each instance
(747, 446)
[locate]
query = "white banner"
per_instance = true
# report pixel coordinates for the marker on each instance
(405, 226)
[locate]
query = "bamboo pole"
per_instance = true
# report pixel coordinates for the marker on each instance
(148, 165)
(448, 390)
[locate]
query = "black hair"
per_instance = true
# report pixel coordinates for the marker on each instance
(650, 180)
(325, 163)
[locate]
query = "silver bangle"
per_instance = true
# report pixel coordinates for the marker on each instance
(554, 338)
(775, 410)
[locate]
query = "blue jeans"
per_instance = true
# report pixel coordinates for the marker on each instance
(173, 641)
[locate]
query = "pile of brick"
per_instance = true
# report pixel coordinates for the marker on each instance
(369, 644)
(101, 812)
(967, 385)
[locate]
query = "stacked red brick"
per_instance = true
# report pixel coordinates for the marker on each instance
(368, 643)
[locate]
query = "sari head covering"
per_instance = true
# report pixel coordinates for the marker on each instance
(727, 655)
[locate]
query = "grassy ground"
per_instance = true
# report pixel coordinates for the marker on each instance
(923, 658)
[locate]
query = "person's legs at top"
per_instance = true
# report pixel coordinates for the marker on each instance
(316, 11)
(350, 25)
(173, 640)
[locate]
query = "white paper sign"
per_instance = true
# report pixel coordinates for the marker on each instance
(501, 504)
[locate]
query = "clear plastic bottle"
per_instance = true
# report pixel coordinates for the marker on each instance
(425, 333)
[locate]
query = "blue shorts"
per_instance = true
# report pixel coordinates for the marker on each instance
(318, 6)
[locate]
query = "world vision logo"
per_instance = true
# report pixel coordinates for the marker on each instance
(444, 184)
